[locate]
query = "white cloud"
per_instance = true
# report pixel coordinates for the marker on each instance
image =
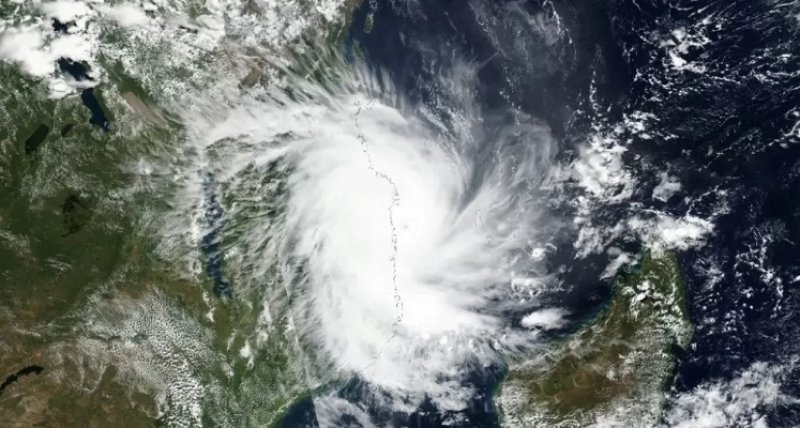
(66, 10)
(36, 48)
(125, 14)
(24, 46)
(407, 263)
(666, 232)
(545, 319)
(681, 41)
(736, 403)
(72, 46)
(667, 187)
(601, 172)
(331, 411)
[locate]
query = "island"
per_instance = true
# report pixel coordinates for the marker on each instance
(613, 369)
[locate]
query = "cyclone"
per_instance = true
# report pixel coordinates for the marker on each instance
(400, 213)
(407, 235)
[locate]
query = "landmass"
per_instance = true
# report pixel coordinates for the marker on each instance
(614, 369)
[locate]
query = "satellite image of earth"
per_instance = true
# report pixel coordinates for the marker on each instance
(400, 213)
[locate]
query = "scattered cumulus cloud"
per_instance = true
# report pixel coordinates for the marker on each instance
(739, 402)
(667, 187)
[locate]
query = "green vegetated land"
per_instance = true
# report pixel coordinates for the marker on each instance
(67, 240)
(616, 368)
(99, 328)
(102, 326)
